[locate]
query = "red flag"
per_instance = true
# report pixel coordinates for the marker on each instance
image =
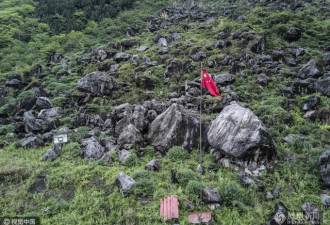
(207, 82)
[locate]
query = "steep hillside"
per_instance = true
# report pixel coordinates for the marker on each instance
(122, 80)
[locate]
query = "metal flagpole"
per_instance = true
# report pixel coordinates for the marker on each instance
(200, 145)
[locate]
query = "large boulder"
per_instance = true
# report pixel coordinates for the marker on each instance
(239, 133)
(309, 71)
(323, 86)
(310, 103)
(293, 34)
(137, 118)
(31, 141)
(211, 195)
(174, 127)
(97, 84)
(324, 162)
(121, 56)
(91, 149)
(125, 184)
(53, 112)
(130, 135)
(25, 103)
(174, 69)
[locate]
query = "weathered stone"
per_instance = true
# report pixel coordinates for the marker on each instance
(162, 42)
(262, 79)
(325, 200)
(311, 103)
(39, 186)
(97, 84)
(53, 112)
(239, 133)
(309, 70)
(224, 79)
(269, 196)
(211, 195)
(152, 165)
(293, 34)
(137, 118)
(107, 157)
(43, 103)
(82, 119)
(259, 45)
(174, 69)
(324, 162)
(125, 184)
(123, 155)
(31, 123)
(174, 127)
(248, 180)
(276, 192)
(130, 135)
(49, 155)
(121, 56)
(91, 149)
(25, 103)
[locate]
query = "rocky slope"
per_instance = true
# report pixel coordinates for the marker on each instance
(130, 107)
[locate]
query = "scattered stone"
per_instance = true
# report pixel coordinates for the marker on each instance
(311, 103)
(91, 120)
(248, 180)
(142, 48)
(49, 155)
(31, 141)
(224, 79)
(259, 45)
(31, 124)
(53, 112)
(269, 196)
(309, 71)
(107, 157)
(325, 200)
(25, 103)
(174, 69)
(152, 165)
(130, 135)
(43, 103)
(121, 56)
(91, 149)
(293, 34)
(123, 155)
(162, 42)
(211, 195)
(324, 162)
(262, 79)
(97, 84)
(276, 192)
(125, 184)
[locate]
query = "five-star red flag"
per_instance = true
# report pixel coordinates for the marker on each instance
(207, 82)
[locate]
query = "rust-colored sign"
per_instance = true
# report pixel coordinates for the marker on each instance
(169, 207)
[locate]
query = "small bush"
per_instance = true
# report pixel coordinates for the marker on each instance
(149, 150)
(81, 133)
(131, 160)
(141, 174)
(177, 153)
(5, 129)
(144, 187)
(185, 176)
(193, 190)
(232, 194)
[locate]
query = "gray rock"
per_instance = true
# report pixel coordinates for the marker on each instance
(57, 149)
(174, 127)
(130, 135)
(114, 68)
(91, 120)
(211, 195)
(262, 79)
(43, 103)
(199, 169)
(293, 34)
(174, 69)
(120, 111)
(198, 56)
(313, 212)
(240, 134)
(53, 112)
(137, 118)
(258, 45)
(248, 180)
(31, 124)
(269, 196)
(173, 38)
(326, 60)
(107, 157)
(276, 192)
(325, 200)
(311, 103)
(125, 184)
(97, 83)
(14, 83)
(48, 137)
(123, 155)
(121, 56)
(224, 79)
(95, 132)
(323, 86)
(324, 162)
(142, 48)
(25, 103)
(309, 71)
(162, 42)
(152, 165)
(49, 155)
(91, 149)
(31, 141)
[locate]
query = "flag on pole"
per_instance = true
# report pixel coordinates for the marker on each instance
(208, 82)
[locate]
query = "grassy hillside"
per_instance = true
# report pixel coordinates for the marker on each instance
(85, 192)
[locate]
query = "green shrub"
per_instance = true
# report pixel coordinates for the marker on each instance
(141, 174)
(144, 187)
(177, 153)
(58, 101)
(232, 194)
(185, 176)
(132, 160)
(82, 132)
(149, 150)
(193, 190)
(5, 129)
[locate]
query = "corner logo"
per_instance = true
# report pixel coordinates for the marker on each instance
(279, 218)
